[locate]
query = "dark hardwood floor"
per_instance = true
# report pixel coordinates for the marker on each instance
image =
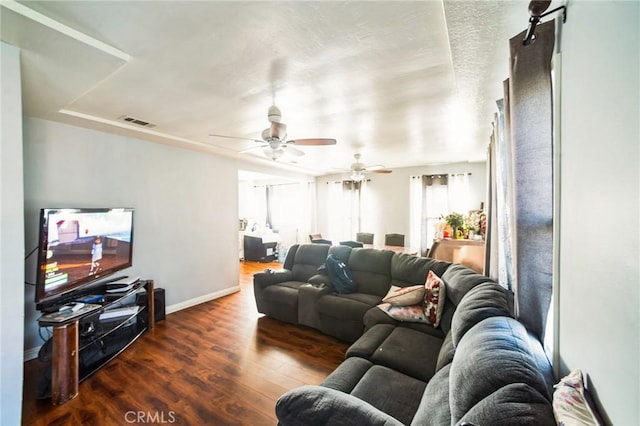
(218, 363)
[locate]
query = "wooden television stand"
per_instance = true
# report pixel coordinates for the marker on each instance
(114, 336)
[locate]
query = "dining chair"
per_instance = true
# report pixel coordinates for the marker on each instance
(314, 237)
(352, 244)
(364, 237)
(394, 240)
(321, 241)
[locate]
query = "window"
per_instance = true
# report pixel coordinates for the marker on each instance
(432, 197)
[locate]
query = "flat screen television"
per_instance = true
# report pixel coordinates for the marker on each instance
(77, 248)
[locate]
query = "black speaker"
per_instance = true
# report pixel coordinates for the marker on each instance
(158, 303)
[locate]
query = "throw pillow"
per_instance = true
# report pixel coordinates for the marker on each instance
(413, 313)
(405, 296)
(434, 298)
(570, 405)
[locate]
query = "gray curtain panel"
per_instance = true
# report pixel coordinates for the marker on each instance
(530, 98)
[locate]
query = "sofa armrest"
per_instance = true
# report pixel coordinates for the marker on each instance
(308, 296)
(317, 405)
(264, 279)
(320, 280)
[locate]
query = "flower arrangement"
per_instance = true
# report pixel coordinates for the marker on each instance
(476, 224)
(456, 221)
(473, 226)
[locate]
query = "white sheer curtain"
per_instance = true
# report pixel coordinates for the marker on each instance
(350, 209)
(366, 211)
(336, 211)
(415, 213)
(257, 208)
(459, 193)
(438, 200)
(305, 211)
(432, 197)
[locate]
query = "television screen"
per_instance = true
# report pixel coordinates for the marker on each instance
(78, 247)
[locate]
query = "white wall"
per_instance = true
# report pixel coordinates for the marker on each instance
(186, 206)
(389, 194)
(11, 239)
(599, 298)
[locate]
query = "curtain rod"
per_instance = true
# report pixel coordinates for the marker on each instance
(441, 175)
(347, 180)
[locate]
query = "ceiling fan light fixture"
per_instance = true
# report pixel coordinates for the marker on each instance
(357, 176)
(274, 154)
(274, 114)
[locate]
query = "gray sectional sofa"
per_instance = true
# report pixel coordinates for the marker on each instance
(480, 366)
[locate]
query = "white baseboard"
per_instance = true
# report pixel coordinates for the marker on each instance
(200, 299)
(32, 353)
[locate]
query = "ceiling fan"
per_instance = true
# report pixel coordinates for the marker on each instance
(358, 169)
(274, 138)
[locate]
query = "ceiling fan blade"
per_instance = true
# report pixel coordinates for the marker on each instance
(379, 171)
(312, 142)
(373, 167)
(293, 150)
(235, 137)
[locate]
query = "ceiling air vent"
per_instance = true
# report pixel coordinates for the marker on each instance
(137, 121)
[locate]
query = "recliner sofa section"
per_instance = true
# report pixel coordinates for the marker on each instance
(299, 295)
(479, 366)
(276, 292)
(486, 370)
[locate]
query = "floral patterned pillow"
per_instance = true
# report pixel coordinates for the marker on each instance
(570, 406)
(405, 296)
(434, 298)
(413, 313)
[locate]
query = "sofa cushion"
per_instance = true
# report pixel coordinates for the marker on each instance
(341, 252)
(289, 260)
(491, 355)
(348, 374)
(376, 316)
(459, 280)
(410, 352)
(447, 350)
(307, 259)
(514, 404)
(408, 270)
(391, 392)
(370, 269)
(347, 306)
(404, 296)
(434, 298)
(402, 349)
(434, 406)
(318, 406)
(370, 341)
(280, 301)
(483, 301)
